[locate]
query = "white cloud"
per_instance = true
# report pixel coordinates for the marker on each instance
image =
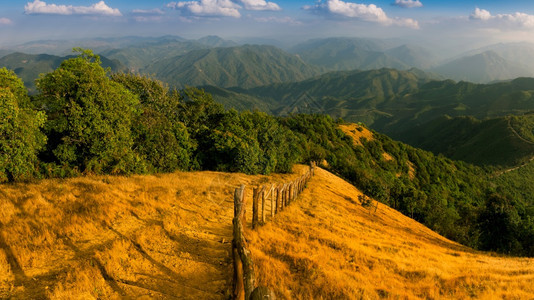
(370, 13)
(259, 5)
(41, 7)
(209, 8)
(5, 21)
(516, 19)
(480, 14)
(408, 3)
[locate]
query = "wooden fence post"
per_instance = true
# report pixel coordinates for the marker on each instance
(263, 205)
(277, 199)
(283, 200)
(242, 280)
(239, 203)
(291, 192)
(255, 196)
(272, 201)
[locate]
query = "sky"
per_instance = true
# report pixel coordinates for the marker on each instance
(452, 23)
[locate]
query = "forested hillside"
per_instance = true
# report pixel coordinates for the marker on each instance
(438, 115)
(504, 141)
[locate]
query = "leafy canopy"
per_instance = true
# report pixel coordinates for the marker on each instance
(20, 135)
(90, 117)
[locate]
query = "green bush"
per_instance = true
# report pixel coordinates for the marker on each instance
(20, 137)
(89, 118)
(160, 138)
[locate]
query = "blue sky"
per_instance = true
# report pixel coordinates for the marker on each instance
(472, 22)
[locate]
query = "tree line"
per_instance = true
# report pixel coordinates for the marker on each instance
(84, 120)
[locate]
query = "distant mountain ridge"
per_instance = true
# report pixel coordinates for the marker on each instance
(243, 66)
(484, 67)
(342, 54)
(353, 95)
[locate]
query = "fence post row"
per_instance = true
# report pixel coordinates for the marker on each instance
(244, 278)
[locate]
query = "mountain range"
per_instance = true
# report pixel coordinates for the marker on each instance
(244, 66)
(168, 57)
(337, 54)
(364, 80)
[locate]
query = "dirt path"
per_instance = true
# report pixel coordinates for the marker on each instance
(517, 134)
(524, 140)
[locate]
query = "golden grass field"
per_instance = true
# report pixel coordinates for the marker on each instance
(166, 236)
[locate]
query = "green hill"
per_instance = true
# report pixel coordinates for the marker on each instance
(393, 101)
(339, 54)
(244, 66)
(353, 95)
(492, 141)
(414, 56)
(138, 57)
(145, 53)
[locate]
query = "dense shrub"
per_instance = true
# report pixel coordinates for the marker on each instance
(160, 138)
(89, 118)
(20, 137)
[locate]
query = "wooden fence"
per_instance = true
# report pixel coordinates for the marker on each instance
(280, 196)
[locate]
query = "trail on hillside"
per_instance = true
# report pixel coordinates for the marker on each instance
(524, 140)
(517, 134)
(163, 236)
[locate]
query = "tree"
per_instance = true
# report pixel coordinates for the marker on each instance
(20, 135)
(500, 224)
(160, 137)
(89, 117)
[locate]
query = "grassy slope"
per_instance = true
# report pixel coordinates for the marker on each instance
(162, 237)
(326, 245)
(169, 235)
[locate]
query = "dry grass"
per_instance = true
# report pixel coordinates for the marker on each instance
(327, 246)
(356, 132)
(163, 237)
(168, 236)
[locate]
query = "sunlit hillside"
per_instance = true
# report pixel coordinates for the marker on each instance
(327, 245)
(169, 236)
(162, 237)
